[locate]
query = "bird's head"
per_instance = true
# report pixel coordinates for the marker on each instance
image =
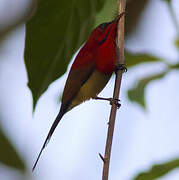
(105, 31)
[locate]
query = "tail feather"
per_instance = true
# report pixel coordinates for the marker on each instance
(52, 129)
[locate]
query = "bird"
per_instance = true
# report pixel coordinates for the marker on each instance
(90, 71)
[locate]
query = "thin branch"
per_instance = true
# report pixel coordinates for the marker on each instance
(120, 61)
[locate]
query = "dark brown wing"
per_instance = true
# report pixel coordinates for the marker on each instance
(76, 78)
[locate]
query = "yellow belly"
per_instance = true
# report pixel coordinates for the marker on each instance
(91, 88)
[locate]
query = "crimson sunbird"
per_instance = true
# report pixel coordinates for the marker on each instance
(90, 71)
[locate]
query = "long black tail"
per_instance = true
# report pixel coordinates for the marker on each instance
(52, 129)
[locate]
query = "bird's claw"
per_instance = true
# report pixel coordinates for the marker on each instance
(121, 67)
(111, 100)
(115, 101)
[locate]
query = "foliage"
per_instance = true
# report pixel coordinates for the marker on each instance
(8, 155)
(133, 59)
(158, 170)
(177, 43)
(52, 38)
(137, 94)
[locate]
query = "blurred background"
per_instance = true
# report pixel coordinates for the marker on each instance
(146, 131)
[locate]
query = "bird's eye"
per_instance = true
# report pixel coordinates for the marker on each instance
(103, 26)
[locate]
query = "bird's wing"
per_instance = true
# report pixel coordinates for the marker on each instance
(76, 78)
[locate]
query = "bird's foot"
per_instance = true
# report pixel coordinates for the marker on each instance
(115, 101)
(111, 100)
(121, 67)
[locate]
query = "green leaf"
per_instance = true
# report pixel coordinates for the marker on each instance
(8, 154)
(133, 59)
(177, 42)
(158, 170)
(54, 33)
(174, 66)
(137, 93)
(106, 14)
(168, 1)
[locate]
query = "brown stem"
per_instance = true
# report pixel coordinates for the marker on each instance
(120, 60)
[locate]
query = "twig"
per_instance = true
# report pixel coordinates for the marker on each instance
(120, 60)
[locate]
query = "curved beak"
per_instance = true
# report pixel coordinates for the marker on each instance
(118, 17)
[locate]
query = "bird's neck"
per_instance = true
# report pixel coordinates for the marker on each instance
(106, 56)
